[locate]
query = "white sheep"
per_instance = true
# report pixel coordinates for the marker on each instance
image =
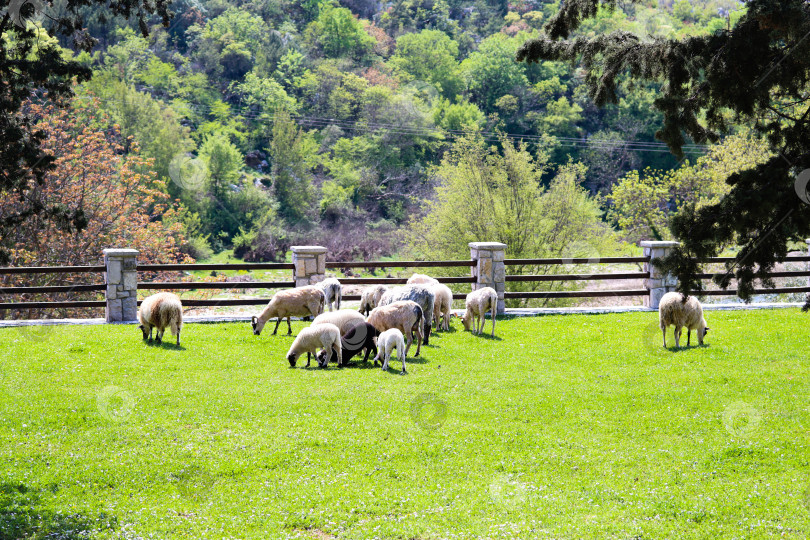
(477, 304)
(344, 319)
(385, 344)
(406, 316)
(322, 336)
(332, 290)
(370, 298)
(160, 311)
(672, 309)
(442, 305)
(422, 295)
(422, 279)
(299, 302)
(443, 298)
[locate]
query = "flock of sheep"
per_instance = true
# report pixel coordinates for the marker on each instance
(388, 319)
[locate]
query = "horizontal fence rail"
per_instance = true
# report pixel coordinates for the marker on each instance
(733, 292)
(796, 258)
(52, 289)
(224, 266)
(158, 285)
(400, 264)
(578, 277)
(401, 281)
(576, 294)
(595, 260)
(51, 269)
(53, 305)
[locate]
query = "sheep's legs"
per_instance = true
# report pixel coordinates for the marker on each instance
(688, 336)
(289, 328)
(677, 337)
(493, 324)
(309, 358)
(278, 321)
(664, 331)
(402, 357)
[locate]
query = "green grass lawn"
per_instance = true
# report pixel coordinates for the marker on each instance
(561, 427)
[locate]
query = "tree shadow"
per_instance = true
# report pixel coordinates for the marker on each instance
(22, 515)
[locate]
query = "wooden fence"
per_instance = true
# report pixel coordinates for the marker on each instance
(494, 274)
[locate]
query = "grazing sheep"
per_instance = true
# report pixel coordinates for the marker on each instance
(324, 336)
(332, 290)
(299, 302)
(370, 298)
(675, 309)
(422, 279)
(386, 342)
(358, 338)
(477, 304)
(421, 294)
(407, 316)
(160, 311)
(344, 319)
(442, 305)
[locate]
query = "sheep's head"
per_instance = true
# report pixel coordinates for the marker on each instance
(702, 331)
(257, 325)
(467, 320)
(291, 358)
(321, 357)
(144, 331)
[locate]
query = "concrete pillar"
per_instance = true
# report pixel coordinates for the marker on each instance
(490, 270)
(658, 283)
(121, 279)
(310, 264)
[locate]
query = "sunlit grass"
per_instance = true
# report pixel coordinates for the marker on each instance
(560, 427)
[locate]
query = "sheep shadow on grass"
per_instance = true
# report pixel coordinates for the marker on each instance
(167, 345)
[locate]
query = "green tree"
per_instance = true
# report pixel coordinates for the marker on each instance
(756, 72)
(29, 63)
(430, 56)
(339, 33)
(492, 71)
(484, 195)
(291, 177)
(643, 202)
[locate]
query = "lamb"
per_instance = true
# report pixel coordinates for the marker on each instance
(370, 298)
(422, 279)
(325, 336)
(421, 294)
(332, 291)
(675, 309)
(160, 311)
(344, 319)
(299, 302)
(360, 337)
(406, 316)
(477, 304)
(386, 342)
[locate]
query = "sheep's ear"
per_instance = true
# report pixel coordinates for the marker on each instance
(254, 320)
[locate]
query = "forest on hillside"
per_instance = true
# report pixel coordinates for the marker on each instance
(369, 127)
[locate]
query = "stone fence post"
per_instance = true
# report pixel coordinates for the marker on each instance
(490, 270)
(310, 264)
(658, 284)
(121, 279)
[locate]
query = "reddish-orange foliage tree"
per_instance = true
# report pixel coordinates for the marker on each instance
(122, 201)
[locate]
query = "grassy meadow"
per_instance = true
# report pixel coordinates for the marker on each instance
(560, 427)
